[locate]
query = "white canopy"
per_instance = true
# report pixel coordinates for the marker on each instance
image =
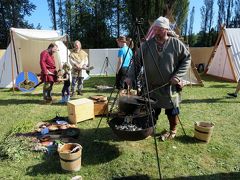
(23, 53)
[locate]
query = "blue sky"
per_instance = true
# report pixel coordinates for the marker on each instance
(197, 16)
(41, 14)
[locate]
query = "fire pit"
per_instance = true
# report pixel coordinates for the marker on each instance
(132, 128)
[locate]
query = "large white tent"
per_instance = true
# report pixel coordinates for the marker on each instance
(224, 61)
(23, 53)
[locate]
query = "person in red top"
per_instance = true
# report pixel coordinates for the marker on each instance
(48, 70)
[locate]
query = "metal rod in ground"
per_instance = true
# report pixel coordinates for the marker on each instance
(181, 125)
(138, 27)
(156, 148)
(105, 110)
(110, 111)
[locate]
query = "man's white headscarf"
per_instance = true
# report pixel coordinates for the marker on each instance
(162, 22)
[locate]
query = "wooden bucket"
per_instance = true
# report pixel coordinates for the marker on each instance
(70, 161)
(203, 131)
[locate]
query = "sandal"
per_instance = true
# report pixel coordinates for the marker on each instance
(172, 135)
(166, 135)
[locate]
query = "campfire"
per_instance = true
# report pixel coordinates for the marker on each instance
(133, 120)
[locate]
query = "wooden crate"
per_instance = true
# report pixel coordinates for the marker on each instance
(80, 110)
(100, 107)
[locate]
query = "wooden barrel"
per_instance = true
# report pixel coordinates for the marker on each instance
(70, 156)
(203, 131)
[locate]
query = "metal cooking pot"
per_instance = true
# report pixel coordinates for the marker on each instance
(129, 104)
(145, 100)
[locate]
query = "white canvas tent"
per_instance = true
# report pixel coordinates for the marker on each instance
(105, 63)
(224, 61)
(23, 53)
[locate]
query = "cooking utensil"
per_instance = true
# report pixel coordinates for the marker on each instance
(129, 104)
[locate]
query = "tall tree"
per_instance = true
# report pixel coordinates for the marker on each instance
(210, 13)
(207, 15)
(180, 13)
(118, 18)
(190, 30)
(235, 23)
(12, 14)
(207, 20)
(184, 31)
(68, 17)
(60, 13)
(229, 12)
(150, 10)
(221, 13)
(52, 9)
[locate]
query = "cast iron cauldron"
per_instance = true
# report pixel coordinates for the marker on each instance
(132, 104)
(141, 121)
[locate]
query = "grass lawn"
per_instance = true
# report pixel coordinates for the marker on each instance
(105, 156)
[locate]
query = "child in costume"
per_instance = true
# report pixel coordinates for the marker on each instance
(66, 83)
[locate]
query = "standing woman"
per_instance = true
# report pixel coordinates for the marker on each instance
(124, 58)
(48, 71)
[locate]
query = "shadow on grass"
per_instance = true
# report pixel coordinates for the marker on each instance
(6, 90)
(136, 177)
(31, 94)
(50, 165)
(30, 101)
(185, 139)
(212, 100)
(19, 101)
(218, 176)
(96, 146)
(220, 86)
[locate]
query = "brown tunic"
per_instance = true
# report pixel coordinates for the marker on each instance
(160, 66)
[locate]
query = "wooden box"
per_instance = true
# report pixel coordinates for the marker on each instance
(100, 108)
(80, 110)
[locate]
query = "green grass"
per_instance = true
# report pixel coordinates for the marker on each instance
(105, 156)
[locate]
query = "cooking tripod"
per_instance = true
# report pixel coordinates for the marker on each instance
(105, 65)
(148, 102)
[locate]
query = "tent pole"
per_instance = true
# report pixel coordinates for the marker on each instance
(15, 59)
(213, 50)
(15, 54)
(13, 88)
(67, 47)
(229, 57)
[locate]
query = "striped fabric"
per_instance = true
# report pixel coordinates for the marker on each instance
(150, 33)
